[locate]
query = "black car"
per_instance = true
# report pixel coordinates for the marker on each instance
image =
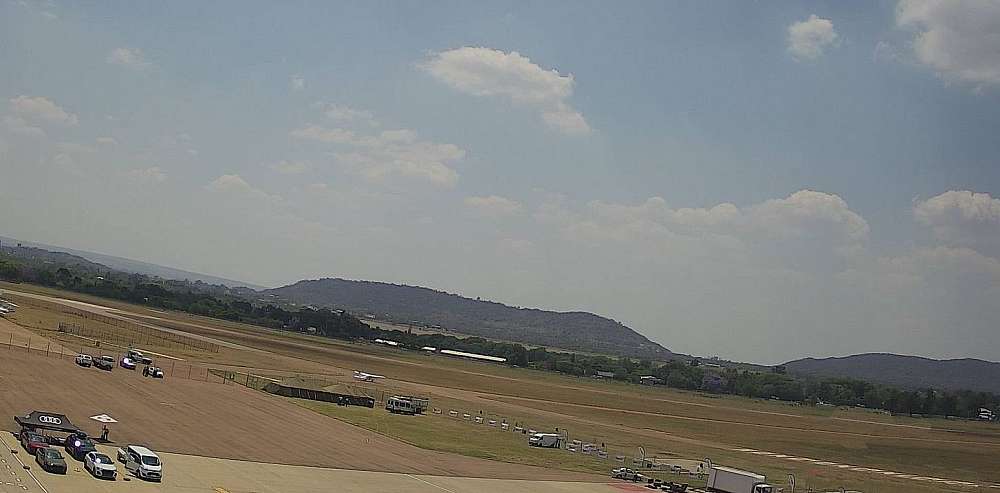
(50, 460)
(77, 445)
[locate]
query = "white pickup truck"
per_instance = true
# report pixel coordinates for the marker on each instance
(627, 474)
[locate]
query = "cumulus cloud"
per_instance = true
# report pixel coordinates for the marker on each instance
(346, 114)
(390, 153)
(804, 230)
(19, 126)
(488, 72)
(493, 205)
(128, 57)
(809, 38)
(147, 175)
(236, 186)
(41, 109)
(962, 217)
(957, 39)
(291, 167)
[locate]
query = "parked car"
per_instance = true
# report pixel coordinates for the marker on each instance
(84, 360)
(137, 356)
(50, 460)
(152, 371)
(100, 465)
(105, 362)
(128, 363)
(141, 462)
(32, 441)
(78, 445)
(627, 474)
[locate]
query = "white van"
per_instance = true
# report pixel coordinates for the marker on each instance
(141, 462)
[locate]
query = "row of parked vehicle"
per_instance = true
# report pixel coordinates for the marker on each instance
(137, 460)
(129, 361)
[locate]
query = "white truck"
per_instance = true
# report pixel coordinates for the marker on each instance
(729, 480)
(545, 440)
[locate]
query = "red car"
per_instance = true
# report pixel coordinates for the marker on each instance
(32, 441)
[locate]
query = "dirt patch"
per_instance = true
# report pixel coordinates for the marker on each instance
(226, 421)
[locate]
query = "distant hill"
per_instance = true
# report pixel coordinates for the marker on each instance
(570, 330)
(911, 372)
(134, 266)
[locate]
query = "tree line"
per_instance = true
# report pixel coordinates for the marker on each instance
(225, 303)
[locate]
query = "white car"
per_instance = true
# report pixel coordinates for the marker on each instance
(141, 462)
(627, 474)
(84, 360)
(100, 465)
(128, 363)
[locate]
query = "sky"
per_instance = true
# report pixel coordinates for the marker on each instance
(759, 181)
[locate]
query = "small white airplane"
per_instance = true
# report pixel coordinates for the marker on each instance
(366, 377)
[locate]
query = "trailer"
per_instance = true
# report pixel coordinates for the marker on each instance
(730, 480)
(545, 440)
(406, 404)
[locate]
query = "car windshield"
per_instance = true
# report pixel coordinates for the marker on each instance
(101, 459)
(150, 460)
(52, 453)
(35, 437)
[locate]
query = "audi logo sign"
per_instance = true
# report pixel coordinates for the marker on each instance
(52, 420)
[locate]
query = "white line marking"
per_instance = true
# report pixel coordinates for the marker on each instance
(430, 483)
(4, 442)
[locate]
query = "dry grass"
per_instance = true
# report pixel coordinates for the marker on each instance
(665, 421)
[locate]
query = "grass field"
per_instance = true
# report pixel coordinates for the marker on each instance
(666, 422)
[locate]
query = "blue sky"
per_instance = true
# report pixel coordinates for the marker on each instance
(758, 181)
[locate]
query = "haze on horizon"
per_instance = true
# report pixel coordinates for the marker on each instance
(761, 182)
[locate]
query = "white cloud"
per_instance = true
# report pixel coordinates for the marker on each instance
(297, 83)
(488, 72)
(807, 39)
(389, 153)
(322, 134)
(291, 167)
(962, 217)
(956, 38)
(804, 230)
(346, 114)
(493, 205)
(106, 141)
(38, 108)
(129, 57)
(147, 175)
(235, 185)
(19, 126)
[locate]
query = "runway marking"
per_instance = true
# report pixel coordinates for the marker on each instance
(430, 483)
(26, 469)
(899, 475)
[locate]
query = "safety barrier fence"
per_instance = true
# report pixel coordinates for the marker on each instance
(128, 333)
(172, 368)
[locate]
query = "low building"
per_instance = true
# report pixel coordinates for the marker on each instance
(604, 374)
(650, 380)
(480, 357)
